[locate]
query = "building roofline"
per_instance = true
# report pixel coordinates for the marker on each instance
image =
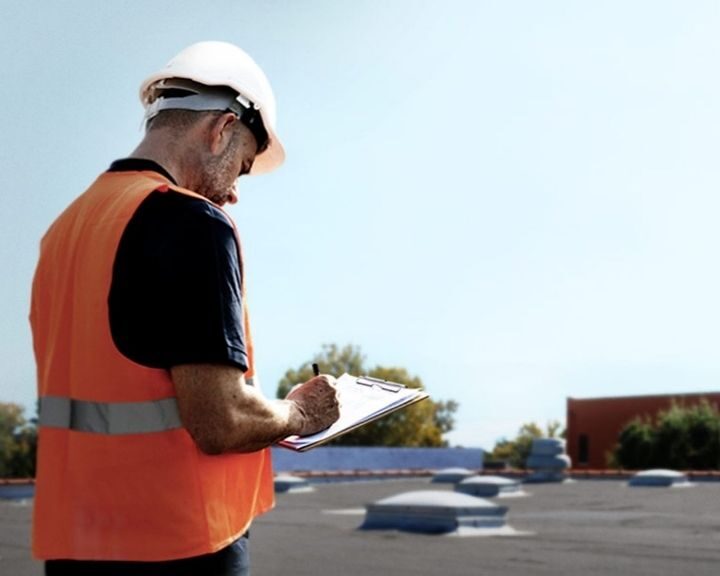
(648, 396)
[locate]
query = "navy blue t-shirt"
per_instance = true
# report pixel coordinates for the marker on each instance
(175, 294)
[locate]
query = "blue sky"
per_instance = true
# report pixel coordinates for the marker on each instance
(516, 201)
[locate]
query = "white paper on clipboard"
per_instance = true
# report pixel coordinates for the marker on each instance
(362, 400)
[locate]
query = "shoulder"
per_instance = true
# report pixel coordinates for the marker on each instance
(170, 230)
(173, 205)
(170, 218)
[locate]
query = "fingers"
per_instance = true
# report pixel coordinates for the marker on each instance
(318, 402)
(326, 378)
(321, 380)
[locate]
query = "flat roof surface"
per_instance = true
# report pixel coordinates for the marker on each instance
(586, 527)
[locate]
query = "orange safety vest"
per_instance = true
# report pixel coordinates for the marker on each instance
(118, 476)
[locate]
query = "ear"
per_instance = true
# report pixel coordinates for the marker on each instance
(221, 132)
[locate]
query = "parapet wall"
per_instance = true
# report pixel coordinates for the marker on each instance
(340, 458)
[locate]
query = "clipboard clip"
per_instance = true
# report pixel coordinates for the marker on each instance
(380, 383)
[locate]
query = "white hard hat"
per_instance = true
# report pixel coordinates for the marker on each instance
(221, 64)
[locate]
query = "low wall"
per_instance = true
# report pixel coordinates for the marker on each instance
(341, 458)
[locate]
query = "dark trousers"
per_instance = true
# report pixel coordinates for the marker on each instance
(233, 560)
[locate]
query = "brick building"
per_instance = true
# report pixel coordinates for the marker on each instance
(593, 424)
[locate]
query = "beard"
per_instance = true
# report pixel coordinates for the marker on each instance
(218, 182)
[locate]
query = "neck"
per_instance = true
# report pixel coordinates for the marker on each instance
(171, 154)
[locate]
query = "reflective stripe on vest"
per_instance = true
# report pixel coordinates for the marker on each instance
(111, 417)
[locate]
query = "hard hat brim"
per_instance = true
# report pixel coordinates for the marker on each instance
(272, 157)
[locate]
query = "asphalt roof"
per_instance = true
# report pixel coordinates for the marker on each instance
(585, 527)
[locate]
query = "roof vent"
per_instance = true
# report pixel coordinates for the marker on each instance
(660, 478)
(287, 483)
(548, 460)
(433, 512)
(490, 487)
(451, 475)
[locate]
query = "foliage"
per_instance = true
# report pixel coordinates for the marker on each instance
(332, 360)
(422, 424)
(554, 429)
(636, 445)
(516, 451)
(18, 443)
(682, 437)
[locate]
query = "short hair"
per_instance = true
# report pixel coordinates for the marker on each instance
(177, 119)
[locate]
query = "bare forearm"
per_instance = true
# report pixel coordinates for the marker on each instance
(223, 414)
(258, 422)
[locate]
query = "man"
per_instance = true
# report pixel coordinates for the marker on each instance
(153, 451)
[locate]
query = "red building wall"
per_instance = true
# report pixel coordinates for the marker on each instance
(600, 421)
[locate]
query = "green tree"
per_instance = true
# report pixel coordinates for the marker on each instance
(703, 437)
(18, 443)
(516, 451)
(682, 437)
(504, 451)
(554, 429)
(422, 424)
(332, 360)
(523, 442)
(636, 445)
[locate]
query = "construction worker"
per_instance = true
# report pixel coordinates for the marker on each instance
(153, 449)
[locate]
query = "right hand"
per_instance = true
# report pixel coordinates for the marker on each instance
(316, 401)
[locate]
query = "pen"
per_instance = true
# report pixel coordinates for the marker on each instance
(316, 369)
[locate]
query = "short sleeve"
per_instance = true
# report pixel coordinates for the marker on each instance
(175, 296)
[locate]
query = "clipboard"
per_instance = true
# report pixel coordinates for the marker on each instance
(363, 399)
